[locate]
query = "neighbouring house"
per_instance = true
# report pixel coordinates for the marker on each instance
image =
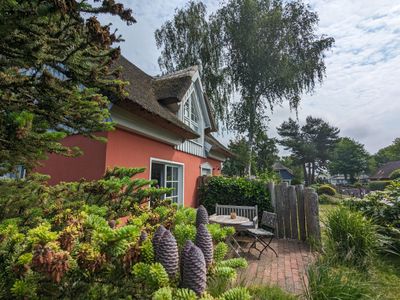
(385, 171)
(338, 179)
(164, 125)
(285, 173)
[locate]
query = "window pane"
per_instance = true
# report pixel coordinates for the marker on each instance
(186, 111)
(175, 191)
(175, 174)
(194, 114)
(169, 173)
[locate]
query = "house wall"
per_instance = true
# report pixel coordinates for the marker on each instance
(90, 165)
(132, 150)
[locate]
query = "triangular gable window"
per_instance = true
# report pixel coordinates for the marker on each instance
(191, 113)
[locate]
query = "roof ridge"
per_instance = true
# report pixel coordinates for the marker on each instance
(189, 71)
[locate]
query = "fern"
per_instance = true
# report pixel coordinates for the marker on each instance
(226, 273)
(153, 275)
(147, 251)
(183, 233)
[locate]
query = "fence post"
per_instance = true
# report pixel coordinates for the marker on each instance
(312, 214)
(271, 188)
(292, 196)
(279, 198)
(301, 215)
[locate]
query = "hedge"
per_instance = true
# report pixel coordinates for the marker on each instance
(234, 191)
(378, 185)
(326, 189)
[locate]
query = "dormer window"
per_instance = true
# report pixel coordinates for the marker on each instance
(191, 113)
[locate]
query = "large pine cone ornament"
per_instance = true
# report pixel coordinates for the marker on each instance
(205, 243)
(167, 253)
(201, 216)
(194, 271)
(156, 238)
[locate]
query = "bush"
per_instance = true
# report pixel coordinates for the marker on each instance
(351, 237)
(326, 189)
(378, 185)
(326, 199)
(234, 191)
(327, 282)
(395, 174)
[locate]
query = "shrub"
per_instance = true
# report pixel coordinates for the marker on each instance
(327, 282)
(326, 189)
(270, 293)
(351, 237)
(234, 191)
(326, 199)
(395, 174)
(378, 185)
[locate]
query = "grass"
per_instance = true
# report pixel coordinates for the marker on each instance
(329, 279)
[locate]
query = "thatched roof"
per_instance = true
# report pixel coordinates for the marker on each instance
(278, 167)
(146, 94)
(384, 171)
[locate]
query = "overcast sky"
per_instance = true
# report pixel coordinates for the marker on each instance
(361, 92)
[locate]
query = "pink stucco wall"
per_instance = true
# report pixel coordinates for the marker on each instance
(132, 150)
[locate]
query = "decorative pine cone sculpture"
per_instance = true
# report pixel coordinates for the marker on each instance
(194, 271)
(201, 216)
(156, 238)
(205, 243)
(167, 253)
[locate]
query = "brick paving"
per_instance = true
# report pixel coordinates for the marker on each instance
(286, 271)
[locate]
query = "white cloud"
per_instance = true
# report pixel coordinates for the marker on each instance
(361, 92)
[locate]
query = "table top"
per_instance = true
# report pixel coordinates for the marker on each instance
(227, 220)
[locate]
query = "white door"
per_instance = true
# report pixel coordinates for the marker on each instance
(172, 181)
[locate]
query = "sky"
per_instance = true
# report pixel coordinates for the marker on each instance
(361, 91)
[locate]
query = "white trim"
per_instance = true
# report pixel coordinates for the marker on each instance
(206, 166)
(216, 156)
(170, 162)
(133, 123)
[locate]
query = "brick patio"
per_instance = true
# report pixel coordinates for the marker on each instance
(286, 271)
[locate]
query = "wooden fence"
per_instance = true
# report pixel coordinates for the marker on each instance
(297, 210)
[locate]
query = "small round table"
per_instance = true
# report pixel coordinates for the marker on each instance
(226, 220)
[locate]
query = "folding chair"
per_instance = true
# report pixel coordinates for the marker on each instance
(264, 236)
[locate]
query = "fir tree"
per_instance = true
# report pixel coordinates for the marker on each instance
(56, 75)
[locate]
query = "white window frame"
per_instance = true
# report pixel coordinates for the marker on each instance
(181, 176)
(188, 119)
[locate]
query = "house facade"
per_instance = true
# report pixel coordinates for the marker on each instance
(165, 125)
(284, 173)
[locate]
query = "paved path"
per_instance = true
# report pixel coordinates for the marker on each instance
(287, 270)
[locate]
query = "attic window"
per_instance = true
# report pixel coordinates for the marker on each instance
(191, 113)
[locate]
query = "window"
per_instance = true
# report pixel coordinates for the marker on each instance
(191, 113)
(20, 173)
(169, 175)
(206, 169)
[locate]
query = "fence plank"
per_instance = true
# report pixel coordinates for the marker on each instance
(279, 197)
(312, 214)
(300, 209)
(292, 196)
(286, 210)
(271, 188)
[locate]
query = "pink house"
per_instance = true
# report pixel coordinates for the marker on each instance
(164, 125)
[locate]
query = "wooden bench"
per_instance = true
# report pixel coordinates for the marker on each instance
(250, 212)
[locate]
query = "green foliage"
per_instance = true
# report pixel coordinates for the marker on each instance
(220, 233)
(270, 293)
(311, 144)
(220, 251)
(351, 238)
(185, 215)
(326, 199)
(234, 191)
(383, 207)
(185, 294)
(147, 251)
(395, 174)
(349, 158)
(183, 233)
(327, 282)
(326, 189)
(164, 293)
(239, 293)
(48, 55)
(378, 185)
(234, 263)
(389, 153)
(152, 276)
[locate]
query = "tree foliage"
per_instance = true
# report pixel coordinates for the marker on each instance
(389, 153)
(56, 77)
(311, 144)
(191, 39)
(348, 158)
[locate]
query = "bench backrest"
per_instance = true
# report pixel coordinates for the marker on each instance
(243, 211)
